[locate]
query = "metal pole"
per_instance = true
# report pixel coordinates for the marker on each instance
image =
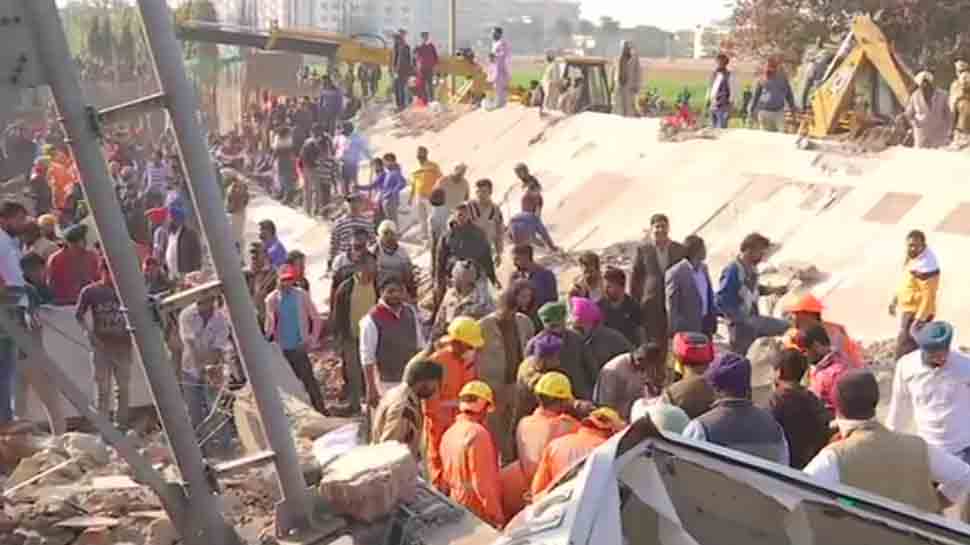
(255, 353)
(205, 524)
(453, 38)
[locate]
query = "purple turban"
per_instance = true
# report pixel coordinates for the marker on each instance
(547, 344)
(730, 374)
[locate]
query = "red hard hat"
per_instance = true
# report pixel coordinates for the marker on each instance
(806, 303)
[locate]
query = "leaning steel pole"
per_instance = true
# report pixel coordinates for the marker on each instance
(293, 512)
(204, 523)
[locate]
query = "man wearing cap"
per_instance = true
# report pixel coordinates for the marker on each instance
(623, 379)
(393, 258)
(897, 466)
(342, 234)
(72, 267)
(739, 292)
(457, 355)
(465, 297)
(177, 245)
(693, 352)
(390, 335)
(292, 322)
(463, 240)
(931, 392)
(398, 416)
(563, 452)
(506, 332)
(111, 348)
(551, 419)
(801, 413)
(928, 112)
(805, 312)
(470, 459)
(735, 422)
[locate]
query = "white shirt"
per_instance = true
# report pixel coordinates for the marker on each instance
(369, 336)
(201, 339)
(172, 251)
(935, 403)
(700, 280)
(948, 470)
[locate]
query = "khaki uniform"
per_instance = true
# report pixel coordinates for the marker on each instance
(398, 418)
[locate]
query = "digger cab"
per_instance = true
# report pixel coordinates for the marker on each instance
(596, 95)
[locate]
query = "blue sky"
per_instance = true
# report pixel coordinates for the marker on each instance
(666, 14)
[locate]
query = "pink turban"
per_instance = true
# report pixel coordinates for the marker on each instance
(586, 312)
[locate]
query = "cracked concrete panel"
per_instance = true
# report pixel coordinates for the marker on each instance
(956, 222)
(892, 207)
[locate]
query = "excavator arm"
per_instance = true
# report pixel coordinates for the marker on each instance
(334, 46)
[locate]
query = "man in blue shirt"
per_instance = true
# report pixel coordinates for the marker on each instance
(274, 248)
(542, 279)
(388, 183)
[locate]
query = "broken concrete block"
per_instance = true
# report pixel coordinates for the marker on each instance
(368, 482)
(16, 443)
(161, 532)
(306, 422)
(42, 461)
(85, 447)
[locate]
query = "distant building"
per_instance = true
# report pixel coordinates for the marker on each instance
(707, 40)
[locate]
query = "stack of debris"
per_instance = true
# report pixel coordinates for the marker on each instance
(414, 122)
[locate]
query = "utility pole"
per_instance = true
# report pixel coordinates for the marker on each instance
(204, 523)
(293, 513)
(453, 38)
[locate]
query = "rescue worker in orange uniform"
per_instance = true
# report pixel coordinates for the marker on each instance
(549, 421)
(562, 453)
(457, 357)
(804, 312)
(470, 458)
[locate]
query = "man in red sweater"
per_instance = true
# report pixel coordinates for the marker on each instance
(426, 59)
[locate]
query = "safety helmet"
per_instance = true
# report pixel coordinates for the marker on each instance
(480, 390)
(554, 385)
(805, 303)
(465, 330)
(606, 418)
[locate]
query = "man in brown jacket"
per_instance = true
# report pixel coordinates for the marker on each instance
(398, 415)
(506, 333)
(647, 283)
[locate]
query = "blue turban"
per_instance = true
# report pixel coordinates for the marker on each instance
(934, 336)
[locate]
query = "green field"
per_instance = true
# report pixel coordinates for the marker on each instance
(668, 83)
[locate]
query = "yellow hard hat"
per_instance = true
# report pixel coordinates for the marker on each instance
(478, 389)
(607, 419)
(465, 330)
(554, 385)
(47, 220)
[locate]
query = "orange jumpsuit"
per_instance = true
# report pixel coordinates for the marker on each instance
(439, 412)
(535, 432)
(562, 453)
(470, 469)
(841, 342)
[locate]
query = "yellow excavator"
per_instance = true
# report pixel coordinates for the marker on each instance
(368, 49)
(865, 64)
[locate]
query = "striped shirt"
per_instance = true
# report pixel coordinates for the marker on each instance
(157, 176)
(343, 233)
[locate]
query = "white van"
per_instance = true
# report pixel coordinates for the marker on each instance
(666, 490)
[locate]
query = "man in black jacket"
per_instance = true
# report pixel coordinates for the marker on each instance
(462, 241)
(402, 65)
